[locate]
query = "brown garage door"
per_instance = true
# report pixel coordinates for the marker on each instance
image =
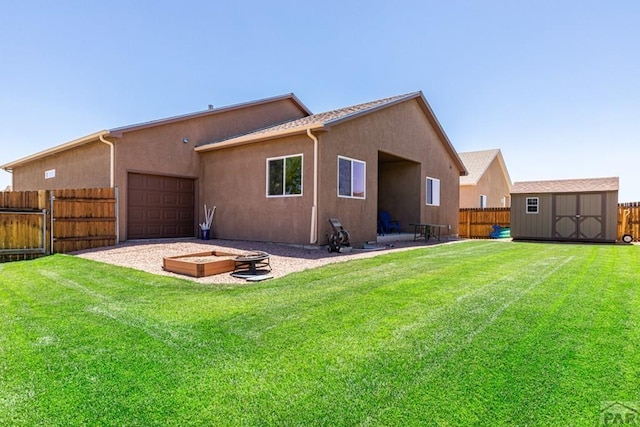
(160, 206)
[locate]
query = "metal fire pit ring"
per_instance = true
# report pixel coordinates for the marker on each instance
(252, 263)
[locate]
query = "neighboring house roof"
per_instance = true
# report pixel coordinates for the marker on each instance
(477, 163)
(117, 132)
(324, 121)
(567, 186)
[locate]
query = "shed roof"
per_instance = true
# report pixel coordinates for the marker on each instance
(477, 163)
(587, 185)
(324, 121)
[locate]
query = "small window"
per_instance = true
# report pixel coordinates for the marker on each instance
(284, 176)
(51, 173)
(351, 178)
(533, 205)
(433, 192)
(483, 201)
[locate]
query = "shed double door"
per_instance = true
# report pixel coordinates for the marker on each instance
(579, 216)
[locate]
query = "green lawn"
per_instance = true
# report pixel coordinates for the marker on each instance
(476, 333)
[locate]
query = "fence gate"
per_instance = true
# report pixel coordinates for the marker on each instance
(23, 232)
(35, 223)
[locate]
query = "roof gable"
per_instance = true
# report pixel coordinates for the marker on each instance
(119, 131)
(324, 121)
(567, 186)
(213, 111)
(477, 164)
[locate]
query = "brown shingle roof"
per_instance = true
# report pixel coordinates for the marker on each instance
(213, 111)
(567, 186)
(326, 119)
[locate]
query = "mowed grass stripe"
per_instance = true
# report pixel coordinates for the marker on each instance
(474, 333)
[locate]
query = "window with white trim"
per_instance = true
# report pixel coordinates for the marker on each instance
(433, 192)
(483, 201)
(351, 178)
(532, 205)
(284, 176)
(49, 174)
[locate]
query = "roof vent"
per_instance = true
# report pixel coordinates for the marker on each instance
(210, 107)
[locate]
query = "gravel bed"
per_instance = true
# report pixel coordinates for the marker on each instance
(284, 259)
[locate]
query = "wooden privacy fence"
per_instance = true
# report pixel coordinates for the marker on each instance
(23, 225)
(476, 223)
(632, 225)
(34, 223)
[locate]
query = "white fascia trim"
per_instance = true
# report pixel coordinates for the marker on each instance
(57, 149)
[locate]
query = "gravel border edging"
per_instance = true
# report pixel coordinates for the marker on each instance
(147, 255)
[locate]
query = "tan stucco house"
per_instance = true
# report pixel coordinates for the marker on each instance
(274, 171)
(488, 184)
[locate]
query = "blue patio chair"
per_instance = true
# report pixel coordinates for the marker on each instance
(386, 224)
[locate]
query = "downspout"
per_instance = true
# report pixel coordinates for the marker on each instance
(112, 183)
(112, 161)
(313, 238)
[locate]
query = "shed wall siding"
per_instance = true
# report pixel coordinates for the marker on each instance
(612, 215)
(531, 226)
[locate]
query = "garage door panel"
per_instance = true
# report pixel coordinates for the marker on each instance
(153, 214)
(171, 199)
(136, 214)
(136, 181)
(153, 229)
(184, 216)
(170, 229)
(160, 206)
(186, 200)
(136, 196)
(184, 230)
(153, 182)
(136, 230)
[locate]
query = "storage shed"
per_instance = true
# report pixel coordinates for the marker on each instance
(565, 210)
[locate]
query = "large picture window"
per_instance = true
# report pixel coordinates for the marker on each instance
(351, 178)
(284, 176)
(433, 192)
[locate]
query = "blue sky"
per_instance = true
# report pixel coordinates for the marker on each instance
(554, 84)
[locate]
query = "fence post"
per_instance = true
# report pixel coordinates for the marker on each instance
(117, 212)
(51, 200)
